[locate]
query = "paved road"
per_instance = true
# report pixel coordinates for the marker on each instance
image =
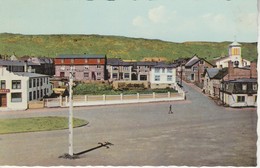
(199, 133)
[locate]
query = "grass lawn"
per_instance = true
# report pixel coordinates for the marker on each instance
(34, 124)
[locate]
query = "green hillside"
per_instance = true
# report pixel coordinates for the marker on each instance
(114, 47)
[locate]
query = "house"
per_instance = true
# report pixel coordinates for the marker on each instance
(218, 84)
(119, 70)
(85, 67)
(239, 93)
(212, 81)
(18, 88)
(142, 70)
(234, 55)
(163, 76)
(18, 66)
(194, 69)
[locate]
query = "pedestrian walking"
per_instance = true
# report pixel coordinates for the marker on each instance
(170, 110)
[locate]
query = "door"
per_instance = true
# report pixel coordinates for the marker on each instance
(3, 100)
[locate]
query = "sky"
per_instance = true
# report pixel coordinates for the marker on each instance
(167, 20)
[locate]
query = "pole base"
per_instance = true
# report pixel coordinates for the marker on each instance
(68, 156)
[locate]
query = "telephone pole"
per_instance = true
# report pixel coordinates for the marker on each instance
(70, 113)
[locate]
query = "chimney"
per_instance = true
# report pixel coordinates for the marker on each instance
(25, 65)
(253, 70)
(230, 70)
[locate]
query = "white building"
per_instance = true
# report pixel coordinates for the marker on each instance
(234, 55)
(163, 76)
(18, 88)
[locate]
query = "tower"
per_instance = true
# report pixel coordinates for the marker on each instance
(235, 54)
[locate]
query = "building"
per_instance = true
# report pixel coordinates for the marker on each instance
(18, 88)
(212, 81)
(85, 67)
(142, 70)
(163, 76)
(239, 92)
(194, 69)
(119, 70)
(234, 55)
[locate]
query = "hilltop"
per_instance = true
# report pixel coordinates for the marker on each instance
(114, 47)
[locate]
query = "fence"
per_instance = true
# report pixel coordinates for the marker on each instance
(85, 100)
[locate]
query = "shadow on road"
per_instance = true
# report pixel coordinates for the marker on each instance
(105, 144)
(76, 155)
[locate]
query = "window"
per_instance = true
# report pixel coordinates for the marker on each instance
(98, 74)
(37, 82)
(157, 77)
(126, 75)
(240, 98)
(40, 81)
(244, 86)
(30, 83)
(34, 94)
(38, 94)
(98, 66)
(16, 84)
(3, 85)
(62, 74)
(169, 77)
(86, 67)
(47, 80)
(115, 68)
(201, 62)
(41, 93)
(125, 68)
(114, 75)
(194, 68)
(16, 97)
(157, 70)
(30, 96)
(169, 70)
(143, 77)
(86, 74)
(255, 98)
(34, 82)
(255, 86)
(226, 86)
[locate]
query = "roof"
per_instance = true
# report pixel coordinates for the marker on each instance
(193, 60)
(212, 72)
(83, 56)
(118, 62)
(253, 80)
(166, 66)
(221, 73)
(29, 74)
(235, 44)
(146, 63)
(14, 63)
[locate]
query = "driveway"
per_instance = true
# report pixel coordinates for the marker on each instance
(198, 133)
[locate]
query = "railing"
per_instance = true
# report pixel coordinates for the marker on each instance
(81, 100)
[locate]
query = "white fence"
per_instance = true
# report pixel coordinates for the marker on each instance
(87, 100)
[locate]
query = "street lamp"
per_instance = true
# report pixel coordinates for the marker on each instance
(70, 113)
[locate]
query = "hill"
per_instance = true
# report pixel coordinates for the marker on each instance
(114, 47)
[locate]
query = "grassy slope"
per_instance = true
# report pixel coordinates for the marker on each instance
(114, 47)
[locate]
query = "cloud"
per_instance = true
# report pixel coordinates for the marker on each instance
(138, 21)
(160, 14)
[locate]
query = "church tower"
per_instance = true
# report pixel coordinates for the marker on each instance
(235, 54)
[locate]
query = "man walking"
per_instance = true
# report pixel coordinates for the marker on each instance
(170, 110)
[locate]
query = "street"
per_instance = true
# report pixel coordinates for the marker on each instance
(198, 133)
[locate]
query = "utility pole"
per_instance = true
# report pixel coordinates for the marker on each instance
(70, 113)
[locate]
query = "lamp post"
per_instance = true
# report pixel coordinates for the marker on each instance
(70, 113)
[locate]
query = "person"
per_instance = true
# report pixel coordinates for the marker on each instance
(170, 110)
